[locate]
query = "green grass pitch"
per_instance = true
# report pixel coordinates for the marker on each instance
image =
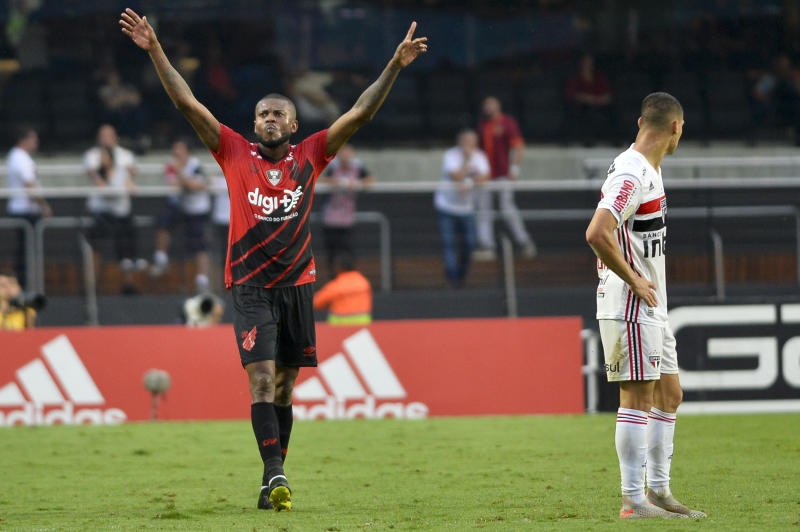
(501, 473)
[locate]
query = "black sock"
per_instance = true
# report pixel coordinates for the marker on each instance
(265, 428)
(285, 419)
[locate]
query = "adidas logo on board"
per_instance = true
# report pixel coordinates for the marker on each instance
(48, 402)
(372, 391)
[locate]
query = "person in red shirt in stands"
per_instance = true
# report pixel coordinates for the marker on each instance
(502, 142)
(589, 101)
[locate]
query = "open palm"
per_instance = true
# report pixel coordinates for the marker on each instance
(410, 48)
(138, 29)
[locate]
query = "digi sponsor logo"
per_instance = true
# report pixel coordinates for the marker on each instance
(628, 188)
(270, 204)
(64, 400)
(371, 391)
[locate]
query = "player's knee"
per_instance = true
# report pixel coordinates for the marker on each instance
(283, 394)
(262, 385)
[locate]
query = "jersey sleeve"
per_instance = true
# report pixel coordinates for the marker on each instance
(317, 151)
(229, 142)
(622, 195)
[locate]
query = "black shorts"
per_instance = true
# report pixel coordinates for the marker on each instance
(275, 324)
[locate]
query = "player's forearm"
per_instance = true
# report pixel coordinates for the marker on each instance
(516, 155)
(174, 84)
(605, 247)
(373, 97)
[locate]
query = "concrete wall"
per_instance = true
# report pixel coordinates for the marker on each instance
(405, 164)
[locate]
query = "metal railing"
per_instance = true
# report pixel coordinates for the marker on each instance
(30, 250)
(36, 260)
(593, 165)
(681, 213)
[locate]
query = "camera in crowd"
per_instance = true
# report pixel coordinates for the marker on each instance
(202, 310)
(28, 301)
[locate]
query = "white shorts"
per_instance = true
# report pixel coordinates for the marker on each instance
(637, 352)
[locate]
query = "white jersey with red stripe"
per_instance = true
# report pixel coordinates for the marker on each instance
(634, 193)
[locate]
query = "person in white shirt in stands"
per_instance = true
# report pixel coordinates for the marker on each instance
(25, 203)
(464, 166)
(111, 169)
(191, 207)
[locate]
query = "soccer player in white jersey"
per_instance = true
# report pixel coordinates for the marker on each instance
(628, 235)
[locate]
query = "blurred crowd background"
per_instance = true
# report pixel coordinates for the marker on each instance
(570, 73)
(734, 65)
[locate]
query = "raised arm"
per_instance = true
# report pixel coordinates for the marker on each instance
(201, 119)
(372, 98)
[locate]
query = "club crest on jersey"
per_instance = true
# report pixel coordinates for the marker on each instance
(274, 176)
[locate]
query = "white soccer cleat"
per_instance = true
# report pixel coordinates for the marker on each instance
(671, 504)
(646, 510)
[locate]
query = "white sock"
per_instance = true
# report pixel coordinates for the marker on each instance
(160, 257)
(631, 441)
(201, 281)
(660, 432)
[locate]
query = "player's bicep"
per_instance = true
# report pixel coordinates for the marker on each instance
(204, 123)
(600, 233)
(341, 130)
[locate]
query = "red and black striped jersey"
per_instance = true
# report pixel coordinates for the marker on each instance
(269, 240)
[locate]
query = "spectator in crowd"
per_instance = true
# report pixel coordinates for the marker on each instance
(15, 315)
(111, 169)
(217, 78)
(776, 95)
(588, 96)
(348, 297)
(220, 217)
(190, 206)
(504, 147)
(464, 166)
(122, 107)
(23, 180)
(346, 175)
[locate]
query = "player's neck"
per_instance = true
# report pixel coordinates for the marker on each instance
(653, 147)
(277, 153)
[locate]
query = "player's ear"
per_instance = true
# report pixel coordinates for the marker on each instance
(294, 126)
(639, 122)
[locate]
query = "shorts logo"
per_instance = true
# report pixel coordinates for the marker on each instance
(249, 339)
(655, 360)
(274, 176)
(309, 351)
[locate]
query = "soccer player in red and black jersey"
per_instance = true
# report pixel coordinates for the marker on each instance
(269, 264)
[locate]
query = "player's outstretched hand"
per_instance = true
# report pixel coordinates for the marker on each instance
(410, 48)
(138, 29)
(645, 290)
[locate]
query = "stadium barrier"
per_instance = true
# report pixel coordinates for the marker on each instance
(739, 358)
(399, 369)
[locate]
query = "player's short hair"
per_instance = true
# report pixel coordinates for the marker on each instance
(659, 109)
(22, 132)
(278, 96)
